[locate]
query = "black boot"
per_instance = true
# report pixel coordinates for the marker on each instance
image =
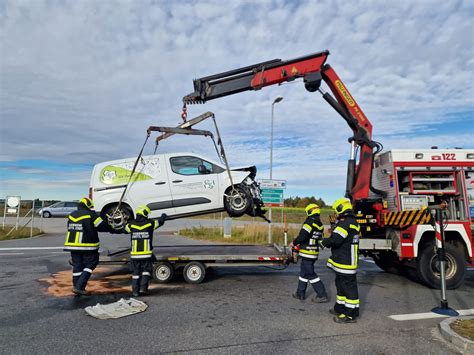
(298, 296)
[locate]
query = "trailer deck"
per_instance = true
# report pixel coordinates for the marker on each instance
(197, 257)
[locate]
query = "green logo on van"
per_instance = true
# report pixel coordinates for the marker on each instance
(114, 175)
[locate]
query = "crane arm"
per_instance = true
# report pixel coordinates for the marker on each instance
(313, 70)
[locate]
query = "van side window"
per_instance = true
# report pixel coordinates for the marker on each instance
(190, 165)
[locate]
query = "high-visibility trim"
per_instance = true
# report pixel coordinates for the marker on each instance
(309, 256)
(318, 227)
(77, 273)
(341, 298)
(135, 256)
(79, 218)
(82, 244)
(307, 228)
(146, 273)
(354, 254)
(342, 266)
(156, 225)
(302, 279)
(310, 252)
(352, 301)
(127, 229)
(341, 270)
(98, 221)
(313, 281)
(80, 248)
(140, 227)
(135, 277)
(353, 226)
(87, 270)
(341, 231)
(350, 305)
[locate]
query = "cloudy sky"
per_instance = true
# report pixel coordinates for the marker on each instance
(81, 80)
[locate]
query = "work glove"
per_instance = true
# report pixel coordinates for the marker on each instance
(320, 243)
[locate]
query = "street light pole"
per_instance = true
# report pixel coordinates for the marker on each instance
(277, 100)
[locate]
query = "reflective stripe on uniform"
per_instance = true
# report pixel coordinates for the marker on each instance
(156, 225)
(146, 273)
(320, 228)
(354, 256)
(135, 256)
(87, 270)
(97, 221)
(135, 277)
(79, 218)
(352, 303)
(80, 248)
(307, 228)
(313, 281)
(303, 279)
(310, 256)
(140, 228)
(343, 270)
(340, 299)
(353, 226)
(341, 231)
(77, 273)
(342, 266)
(127, 229)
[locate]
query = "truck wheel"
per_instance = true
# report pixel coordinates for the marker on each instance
(387, 261)
(194, 272)
(237, 201)
(163, 272)
(117, 219)
(427, 268)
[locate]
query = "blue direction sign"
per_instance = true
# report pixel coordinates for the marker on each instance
(272, 196)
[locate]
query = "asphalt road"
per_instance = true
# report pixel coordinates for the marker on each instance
(235, 311)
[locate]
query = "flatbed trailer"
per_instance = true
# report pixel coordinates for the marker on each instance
(195, 259)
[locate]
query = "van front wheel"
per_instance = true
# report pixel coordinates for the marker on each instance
(117, 218)
(237, 201)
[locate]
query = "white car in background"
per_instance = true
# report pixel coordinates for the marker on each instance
(59, 209)
(178, 184)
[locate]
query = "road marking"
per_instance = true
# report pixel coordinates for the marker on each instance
(369, 261)
(32, 248)
(12, 253)
(428, 315)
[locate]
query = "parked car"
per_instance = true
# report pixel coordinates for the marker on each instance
(179, 184)
(63, 208)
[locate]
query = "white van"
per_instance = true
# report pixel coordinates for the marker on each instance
(178, 184)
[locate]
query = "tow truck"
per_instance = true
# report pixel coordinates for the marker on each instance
(390, 191)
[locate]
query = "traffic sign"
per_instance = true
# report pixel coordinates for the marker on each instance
(272, 196)
(272, 184)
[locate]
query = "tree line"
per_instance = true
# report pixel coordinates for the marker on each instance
(303, 201)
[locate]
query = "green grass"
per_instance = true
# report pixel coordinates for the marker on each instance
(293, 215)
(17, 234)
(248, 234)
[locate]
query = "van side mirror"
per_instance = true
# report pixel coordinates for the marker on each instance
(203, 170)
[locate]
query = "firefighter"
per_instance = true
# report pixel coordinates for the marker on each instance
(344, 244)
(82, 241)
(307, 240)
(141, 255)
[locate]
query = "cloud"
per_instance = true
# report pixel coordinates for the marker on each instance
(80, 81)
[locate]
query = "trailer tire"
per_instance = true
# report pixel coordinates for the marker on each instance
(163, 272)
(194, 272)
(427, 266)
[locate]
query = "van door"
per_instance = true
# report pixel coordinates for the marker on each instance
(153, 188)
(194, 184)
